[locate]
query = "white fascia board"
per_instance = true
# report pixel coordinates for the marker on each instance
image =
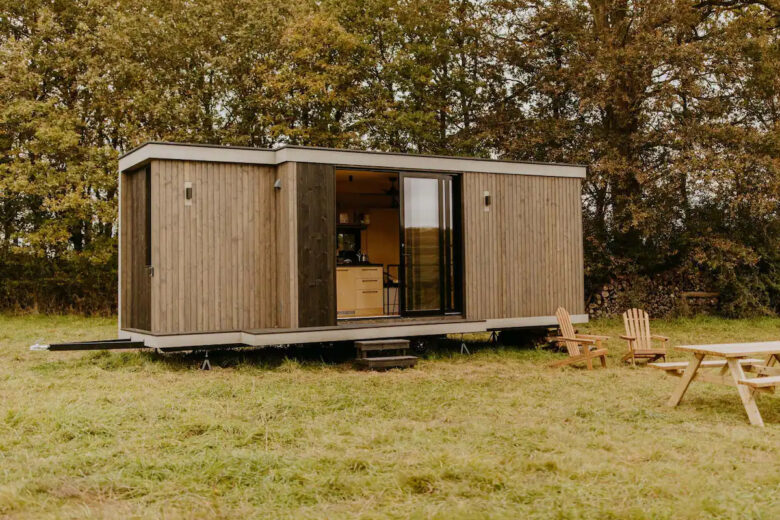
(534, 321)
(350, 158)
(195, 153)
(345, 158)
(338, 334)
(366, 333)
(302, 335)
(186, 340)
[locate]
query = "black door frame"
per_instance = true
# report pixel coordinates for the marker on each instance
(450, 255)
(456, 206)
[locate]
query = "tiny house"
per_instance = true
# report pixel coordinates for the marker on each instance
(228, 245)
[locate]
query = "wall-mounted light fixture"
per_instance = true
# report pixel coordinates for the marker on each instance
(278, 184)
(487, 200)
(188, 194)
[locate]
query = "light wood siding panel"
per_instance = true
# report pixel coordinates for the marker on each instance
(215, 260)
(524, 256)
(136, 284)
(287, 243)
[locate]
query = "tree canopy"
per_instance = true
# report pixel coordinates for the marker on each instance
(673, 104)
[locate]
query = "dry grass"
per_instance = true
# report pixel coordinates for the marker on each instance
(494, 435)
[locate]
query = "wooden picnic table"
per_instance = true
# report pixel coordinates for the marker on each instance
(735, 355)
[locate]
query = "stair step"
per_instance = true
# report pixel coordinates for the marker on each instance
(381, 344)
(387, 362)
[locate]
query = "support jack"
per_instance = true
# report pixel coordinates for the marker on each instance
(463, 348)
(206, 365)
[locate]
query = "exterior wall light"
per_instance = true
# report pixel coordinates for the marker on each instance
(188, 194)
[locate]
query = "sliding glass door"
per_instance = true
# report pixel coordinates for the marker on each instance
(429, 244)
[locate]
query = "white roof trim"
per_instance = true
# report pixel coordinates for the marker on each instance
(351, 158)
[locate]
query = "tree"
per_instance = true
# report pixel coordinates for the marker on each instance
(673, 104)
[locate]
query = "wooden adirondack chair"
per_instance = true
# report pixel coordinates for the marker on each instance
(581, 347)
(640, 341)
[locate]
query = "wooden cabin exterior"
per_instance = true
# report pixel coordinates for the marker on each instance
(229, 245)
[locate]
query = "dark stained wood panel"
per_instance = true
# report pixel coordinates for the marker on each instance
(135, 242)
(523, 256)
(316, 190)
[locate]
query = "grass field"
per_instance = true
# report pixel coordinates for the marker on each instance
(492, 435)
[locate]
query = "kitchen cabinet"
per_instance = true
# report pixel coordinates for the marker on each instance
(359, 291)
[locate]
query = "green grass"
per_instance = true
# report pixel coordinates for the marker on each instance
(493, 435)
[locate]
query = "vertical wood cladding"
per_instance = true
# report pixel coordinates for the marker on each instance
(134, 238)
(316, 190)
(287, 247)
(216, 260)
(523, 257)
(245, 256)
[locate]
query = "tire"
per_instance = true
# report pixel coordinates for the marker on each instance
(420, 345)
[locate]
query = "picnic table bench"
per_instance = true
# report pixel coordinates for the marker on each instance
(734, 360)
(677, 369)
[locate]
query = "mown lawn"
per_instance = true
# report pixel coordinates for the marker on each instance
(492, 435)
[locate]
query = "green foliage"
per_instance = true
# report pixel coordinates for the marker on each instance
(672, 104)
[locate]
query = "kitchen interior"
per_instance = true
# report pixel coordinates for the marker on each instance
(368, 243)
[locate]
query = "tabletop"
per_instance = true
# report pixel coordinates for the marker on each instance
(734, 350)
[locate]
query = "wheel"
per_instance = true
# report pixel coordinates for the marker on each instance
(421, 344)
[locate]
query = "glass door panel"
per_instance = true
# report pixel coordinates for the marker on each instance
(422, 245)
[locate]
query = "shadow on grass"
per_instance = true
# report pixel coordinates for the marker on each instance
(313, 355)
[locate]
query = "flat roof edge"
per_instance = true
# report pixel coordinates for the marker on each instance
(341, 157)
